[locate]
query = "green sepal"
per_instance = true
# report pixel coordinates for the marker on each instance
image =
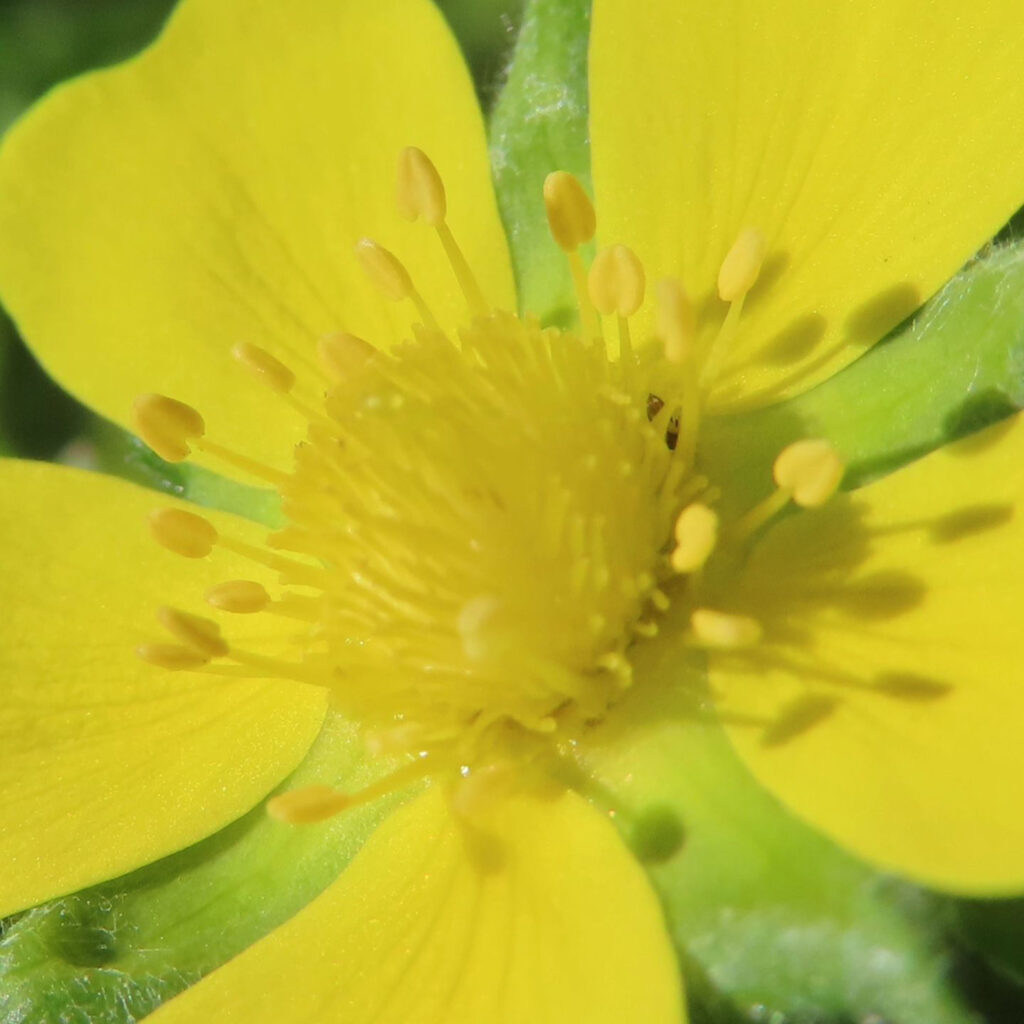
(772, 921)
(955, 367)
(539, 125)
(111, 954)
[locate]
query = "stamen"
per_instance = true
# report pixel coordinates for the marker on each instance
(202, 635)
(389, 275)
(316, 803)
(421, 193)
(241, 597)
(572, 223)
(811, 470)
(167, 425)
(696, 533)
(616, 286)
(741, 266)
(677, 321)
(344, 355)
(570, 213)
(722, 631)
(266, 368)
(183, 532)
(174, 657)
(736, 276)
(308, 805)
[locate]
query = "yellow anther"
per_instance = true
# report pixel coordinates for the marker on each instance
(183, 532)
(166, 425)
(193, 631)
(696, 534)
(384, 269)
(265, 367)
(570, 213)
(307, 805)
(810, 471)
(238, 596)
(677, 320)
(616, 283)
(741, 266)
(722, 631)
(420, 191)
(171, 656)
(343, 355)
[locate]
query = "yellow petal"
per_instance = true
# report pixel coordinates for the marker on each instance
(891, 701)
(212, 191)
(875, 148)
(109, 763)
(541, 916)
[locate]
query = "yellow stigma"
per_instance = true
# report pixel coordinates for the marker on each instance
(741, 266)
(570, 213)
(167, 425)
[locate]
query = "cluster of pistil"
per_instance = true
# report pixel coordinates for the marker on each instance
(480, 528)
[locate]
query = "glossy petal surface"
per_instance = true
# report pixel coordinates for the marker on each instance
(541, 916)
(876, 145)
(212, 190)
(110, 763)
(885, 708)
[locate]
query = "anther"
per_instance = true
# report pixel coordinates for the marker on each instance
(384, 269)
(238, 596)
(193, 631)
(741, 266)
(722, 631)
(570, 213)
(572, 223)
(265, 367)
(420, 191)
(167, 425)
(175, 657)
(344, 355)
(391, 278)
(811, 470)
(696, 533)
(307, 805)
(616, 282)
(183, 532)
(677, 320)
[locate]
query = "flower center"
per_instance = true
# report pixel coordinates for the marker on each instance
(480, 529)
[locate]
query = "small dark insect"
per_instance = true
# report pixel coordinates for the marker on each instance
(654, 406)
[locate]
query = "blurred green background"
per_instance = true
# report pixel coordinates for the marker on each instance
(43, 42)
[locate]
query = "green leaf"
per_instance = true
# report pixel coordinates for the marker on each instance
(954, 368)
(111, 954)
(539, 125)
(773, 922)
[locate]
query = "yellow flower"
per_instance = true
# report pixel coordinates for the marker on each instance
(490, 547)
